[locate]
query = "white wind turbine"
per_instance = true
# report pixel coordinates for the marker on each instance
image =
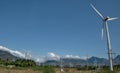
(27, 55)
(104, 24)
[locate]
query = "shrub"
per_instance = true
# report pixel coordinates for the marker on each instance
(48, 69)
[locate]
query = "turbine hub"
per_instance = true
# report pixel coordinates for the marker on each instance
(106, 18)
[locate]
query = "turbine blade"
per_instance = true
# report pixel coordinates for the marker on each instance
(102, 31)
(110, 19)
(97, 12)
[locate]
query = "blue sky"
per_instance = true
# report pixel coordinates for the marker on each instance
(59, 26)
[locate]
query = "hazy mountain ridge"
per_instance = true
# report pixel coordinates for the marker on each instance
(5, 55)
(53, 59)
(13, 52)
(117, 60)
(97, 60)
(72, 62)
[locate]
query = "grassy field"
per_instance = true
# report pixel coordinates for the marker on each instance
(43, 70)
(15, 70)
(31, 70)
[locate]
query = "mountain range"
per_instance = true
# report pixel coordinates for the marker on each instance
(72, 62)
(67, 62)
(5, 55)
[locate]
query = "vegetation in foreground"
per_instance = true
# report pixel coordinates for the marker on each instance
(49, 69)
(29, 66)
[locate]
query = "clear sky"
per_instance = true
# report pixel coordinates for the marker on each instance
(59, 26)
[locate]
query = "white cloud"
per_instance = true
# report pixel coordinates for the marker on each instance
(40, 59)
(15, 53)
(52, 56)
(71, 56)
(84, 57)
(49, 56)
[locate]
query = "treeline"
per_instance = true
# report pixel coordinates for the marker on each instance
(18, 63)
(116, 67)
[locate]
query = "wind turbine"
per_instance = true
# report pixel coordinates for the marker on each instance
(104, 24)
(27, 55)
(61, 64)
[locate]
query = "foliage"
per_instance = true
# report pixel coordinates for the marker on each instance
(18, 63)
(25, 63)
(6, 62)
(48, 69)
(107, 71)
(104, 69)
(86, 68)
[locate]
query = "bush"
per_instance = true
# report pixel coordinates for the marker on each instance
(86, 68)
(24, 63)
(48, 69)
(111, 72)
(107, 71)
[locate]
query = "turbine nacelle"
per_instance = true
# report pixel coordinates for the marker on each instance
(109, 19)
(106, 18)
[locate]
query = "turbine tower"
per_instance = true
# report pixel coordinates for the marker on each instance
(61, 64)
(104, 24)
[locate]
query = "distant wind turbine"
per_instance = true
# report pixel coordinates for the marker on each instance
(27, 55)
(104, 24)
